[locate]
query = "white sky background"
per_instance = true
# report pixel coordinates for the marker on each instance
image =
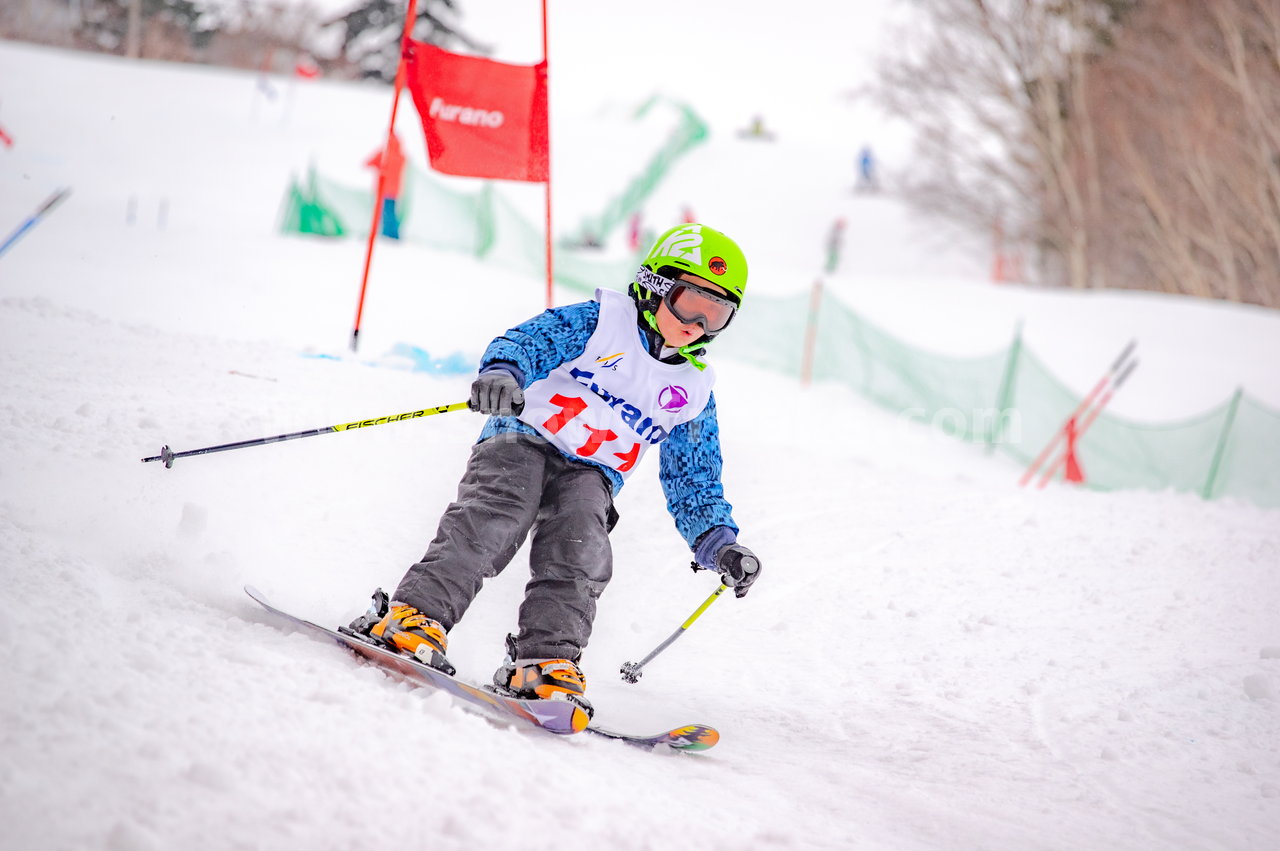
(792, 63)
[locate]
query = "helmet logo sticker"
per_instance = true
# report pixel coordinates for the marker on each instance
(683, 244)
(717, 265)
(673, 398)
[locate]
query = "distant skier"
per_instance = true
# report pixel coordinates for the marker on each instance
(835, 242)
(633, 232)
(867, 181)
(756, 130)
(264, 86)
(577, 395)
(587, 240)
(394, 177)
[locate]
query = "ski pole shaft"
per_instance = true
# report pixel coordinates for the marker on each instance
(631, 670)
(167, 455)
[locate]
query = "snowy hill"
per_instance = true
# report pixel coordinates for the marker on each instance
(933, 658)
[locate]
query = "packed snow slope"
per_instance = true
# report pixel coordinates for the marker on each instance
(932, 657)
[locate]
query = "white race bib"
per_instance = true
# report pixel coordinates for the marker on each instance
(614, 401)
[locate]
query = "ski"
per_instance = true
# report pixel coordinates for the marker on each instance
(555, 716)
(689, 739)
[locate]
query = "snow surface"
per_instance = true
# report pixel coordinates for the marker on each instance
(932, 657)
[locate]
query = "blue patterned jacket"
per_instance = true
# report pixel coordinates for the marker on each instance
(690, 457)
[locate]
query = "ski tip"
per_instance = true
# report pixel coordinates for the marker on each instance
(695, 737)
(690, 738)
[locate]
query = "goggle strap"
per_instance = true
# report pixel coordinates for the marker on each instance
(652, 320)
(653, 281)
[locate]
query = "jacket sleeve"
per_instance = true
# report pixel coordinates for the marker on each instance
(690, 474)
(544, 342)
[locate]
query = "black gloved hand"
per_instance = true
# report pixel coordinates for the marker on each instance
(739, 567)
(496, 391)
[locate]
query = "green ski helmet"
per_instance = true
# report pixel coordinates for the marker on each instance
(704, 252)
(696, 249)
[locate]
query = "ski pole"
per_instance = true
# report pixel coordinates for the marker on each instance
(1052, 469)
(167, 455)
(631, 670)
(1085, 404)
(50, 202)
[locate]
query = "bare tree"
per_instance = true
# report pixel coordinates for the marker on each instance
(996, 93)
(149, 29)
(38, 21)
(268, 35)
(370, 32)
(1191, 107)
(1134, 144)
(265, 34)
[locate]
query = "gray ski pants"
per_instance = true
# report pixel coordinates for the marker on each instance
(514, 483)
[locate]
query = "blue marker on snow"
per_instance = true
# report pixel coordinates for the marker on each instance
(53, 201)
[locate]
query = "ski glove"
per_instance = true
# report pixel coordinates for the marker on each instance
(496, 391)
(739, 567)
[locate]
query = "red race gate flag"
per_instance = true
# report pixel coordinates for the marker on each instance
(481, 118)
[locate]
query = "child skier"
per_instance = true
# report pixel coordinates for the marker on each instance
(576, 396)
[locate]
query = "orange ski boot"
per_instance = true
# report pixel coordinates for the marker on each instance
(408, 630)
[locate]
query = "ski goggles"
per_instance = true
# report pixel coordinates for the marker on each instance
(690, 303)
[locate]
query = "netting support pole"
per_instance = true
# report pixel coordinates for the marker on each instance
(811, 334)
(1216, 464)
(1005, 395)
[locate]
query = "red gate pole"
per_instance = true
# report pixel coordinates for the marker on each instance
(547, 61)
(410, 17)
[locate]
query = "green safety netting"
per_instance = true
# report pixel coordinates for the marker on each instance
(485, 224)
(849, 349)
(689, 132)
(1012, 402)
(324, 207)
(482, 224)
(1248, 454)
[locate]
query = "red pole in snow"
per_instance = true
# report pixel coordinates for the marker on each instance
(1075, 415)
(411, 15)
(1075, 432)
